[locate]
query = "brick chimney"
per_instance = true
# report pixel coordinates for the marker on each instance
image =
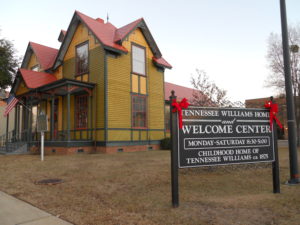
(100, 20)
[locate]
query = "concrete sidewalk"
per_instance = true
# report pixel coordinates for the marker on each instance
(16, 212)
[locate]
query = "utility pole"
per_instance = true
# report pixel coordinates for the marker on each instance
(294, 176)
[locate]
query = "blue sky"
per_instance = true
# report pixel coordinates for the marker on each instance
(227, 39)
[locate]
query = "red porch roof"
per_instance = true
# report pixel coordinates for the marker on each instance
(35, 79)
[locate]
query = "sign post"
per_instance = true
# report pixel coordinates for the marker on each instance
(42, 145)
(42, 126)
(174, 153)
(275, 164)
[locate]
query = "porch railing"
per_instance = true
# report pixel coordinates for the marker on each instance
(75, 135)
(13, 136)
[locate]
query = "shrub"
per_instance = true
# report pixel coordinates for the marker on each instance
(165, 144)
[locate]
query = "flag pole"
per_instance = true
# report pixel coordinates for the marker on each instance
(6, 138)
(24, 105)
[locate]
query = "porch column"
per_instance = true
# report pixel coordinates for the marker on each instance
(24, 115)
(52, 118)
(68, 115)
(16, 122)
(91, 117)
(29, 124)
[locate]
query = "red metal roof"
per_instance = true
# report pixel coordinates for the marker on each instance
(105, 32)
(110, 36)
(123, 31)
(35, 79)
(180, 91)
(45, 55)
(161, 61)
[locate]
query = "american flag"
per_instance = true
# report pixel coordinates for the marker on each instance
(11, 102)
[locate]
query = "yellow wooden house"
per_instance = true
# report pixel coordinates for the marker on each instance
(102, 90)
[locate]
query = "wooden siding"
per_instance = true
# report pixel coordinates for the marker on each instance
(135, 136)
(21, 89)
(156, 135)
(119, 94)
(137, 37)
(97, 76)
(156, 99)
(69, 68)
(33, 62)
(81, 35)
(58, 73)
(119, 135)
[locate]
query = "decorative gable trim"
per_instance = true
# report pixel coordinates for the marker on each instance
(28, 53)
(112, 40)
(146, 32)
(66, 41)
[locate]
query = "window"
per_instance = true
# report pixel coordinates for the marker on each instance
(138, 84)
(139, 111)
(82, 58)
(81, 106)
(138, 60)
(35, 68)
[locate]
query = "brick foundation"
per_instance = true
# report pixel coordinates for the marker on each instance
(63, 150)
(129, 148)
(92, 149)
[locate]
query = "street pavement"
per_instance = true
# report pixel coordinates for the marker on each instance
(16, 212)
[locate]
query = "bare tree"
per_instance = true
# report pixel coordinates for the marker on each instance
(276, 66)
(207, 93)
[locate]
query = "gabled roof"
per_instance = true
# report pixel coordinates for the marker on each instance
(45, 55)
(109, 36)
(122, 32)
(105, 32)
(35, 79)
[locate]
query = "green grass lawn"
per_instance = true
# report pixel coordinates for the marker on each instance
(134, 188)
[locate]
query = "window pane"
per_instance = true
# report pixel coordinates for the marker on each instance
(138, 60)
(139, 111)
(81, 111)
(135, 84)
(82, 59)
(138, 67)
(138, 53)
(35, 68)
(143, 86)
